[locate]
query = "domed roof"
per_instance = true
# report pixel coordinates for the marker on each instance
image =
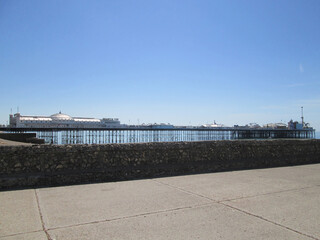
(61, 116)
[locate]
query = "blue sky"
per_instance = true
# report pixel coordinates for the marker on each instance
(180, 62)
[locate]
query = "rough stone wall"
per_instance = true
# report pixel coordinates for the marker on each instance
(51, 165)
(22, 137)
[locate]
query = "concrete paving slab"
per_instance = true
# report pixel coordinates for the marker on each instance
(27, 236)
(299, 209)
(19, 212)
(312, 166)
(277, 203)
(306, 174)
(240, 184)
(210, 222)
(66, 206)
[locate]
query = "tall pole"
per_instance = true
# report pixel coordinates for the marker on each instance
(302, 117)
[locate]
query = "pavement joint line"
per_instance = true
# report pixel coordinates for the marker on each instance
(264, 194)
(231, 199)
(185, 191)
(41, 216)
(18, 234)
(129, 217)
(267, 220)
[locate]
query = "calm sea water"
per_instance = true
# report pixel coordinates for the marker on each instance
(317, 135)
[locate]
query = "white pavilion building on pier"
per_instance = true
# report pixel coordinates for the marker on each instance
(60, 120)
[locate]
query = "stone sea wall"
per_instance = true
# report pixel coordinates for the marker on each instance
(52, 165)
(22, 137)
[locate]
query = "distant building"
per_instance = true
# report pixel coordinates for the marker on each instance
(275, 126)
(161, 126)
(60, 120)
(213, 125)
(249, 126)
(295, 125)
(254, 125)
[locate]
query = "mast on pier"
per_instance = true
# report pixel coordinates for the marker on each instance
(302, 121)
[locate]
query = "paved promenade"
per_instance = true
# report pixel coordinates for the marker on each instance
(275, 203)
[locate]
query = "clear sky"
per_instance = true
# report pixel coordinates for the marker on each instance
(173, 61)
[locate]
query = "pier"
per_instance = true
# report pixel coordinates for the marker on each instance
(140, 134)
